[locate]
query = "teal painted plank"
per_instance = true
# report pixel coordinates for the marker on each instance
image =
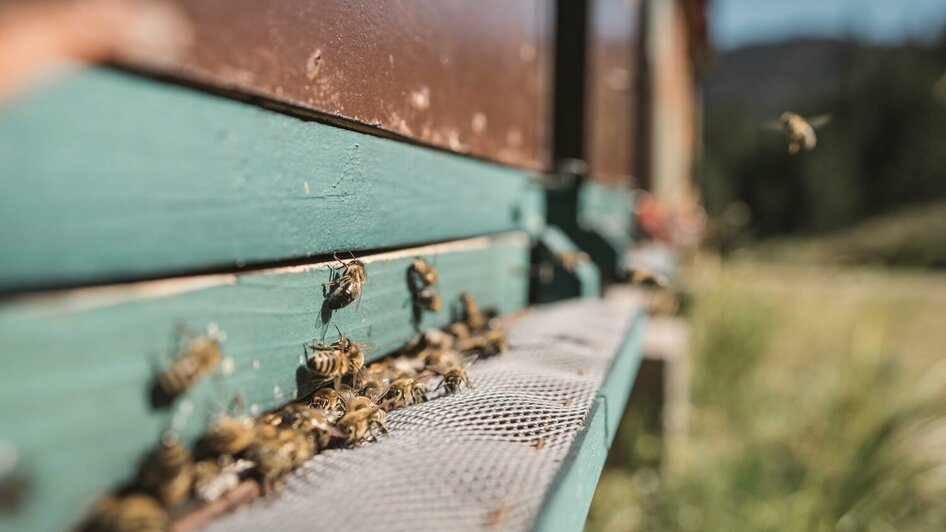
(107, 176)
(77, 368)
(567, 506)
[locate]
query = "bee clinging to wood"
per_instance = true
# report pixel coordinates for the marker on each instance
(421, 279)
(429, 300)
(347, 285)
(328, 362)
(425, 273)
(799, 131)
(198, 357)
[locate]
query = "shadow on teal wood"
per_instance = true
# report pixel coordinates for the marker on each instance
(77, 367)
(561, 270)
(107, 176)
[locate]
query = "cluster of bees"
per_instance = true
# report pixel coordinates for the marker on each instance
(349, 406)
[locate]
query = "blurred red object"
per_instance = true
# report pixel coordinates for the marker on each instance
(682, 227)
(36, 36)
(652, 217)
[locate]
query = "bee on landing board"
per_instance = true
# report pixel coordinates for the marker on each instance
(425, 273)
(168, 473)
(347, 285)
(799, 131)
(229, 435)
(128, 513)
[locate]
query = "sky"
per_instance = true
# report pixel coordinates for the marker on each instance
(736, 23)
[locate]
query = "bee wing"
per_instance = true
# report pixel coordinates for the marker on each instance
(820, 120)
(358, 302)
(468, 361)
(772, 125)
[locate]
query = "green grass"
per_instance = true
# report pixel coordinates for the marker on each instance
(819, 403)
(914, 236)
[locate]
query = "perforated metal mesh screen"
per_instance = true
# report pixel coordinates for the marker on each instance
(469, 460)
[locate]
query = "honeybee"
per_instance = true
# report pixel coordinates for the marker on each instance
(216, 476)
(273, 461)
(799, 131)
(472, 315)
(370, 385)
(335, 361)
(299, 446)
(360, 424)
(168, 473)
(423, 272)
(309, 421)
(454, 377)
(488, 343)
(441, 358)
(347, 286)
(130, 513)
(326, 399)
(459, 330)
(404, 391)
(200, 356)
(428, 299)
(645, 277)
(327, 363)
(230, 435)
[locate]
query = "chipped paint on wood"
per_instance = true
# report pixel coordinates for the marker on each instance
(113, 177)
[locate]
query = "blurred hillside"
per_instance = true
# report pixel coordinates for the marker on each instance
(881, 152)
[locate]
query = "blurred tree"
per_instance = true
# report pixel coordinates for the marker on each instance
(883, 150)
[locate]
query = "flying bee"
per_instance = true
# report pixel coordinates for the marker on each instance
(360, 424)
(168, 473)
(799, 131)
(472, 315)
(200, 356)
(347, 285)
(130, 513)
(428, 299)
(229, 435)
(424, 272)
(645, 277)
